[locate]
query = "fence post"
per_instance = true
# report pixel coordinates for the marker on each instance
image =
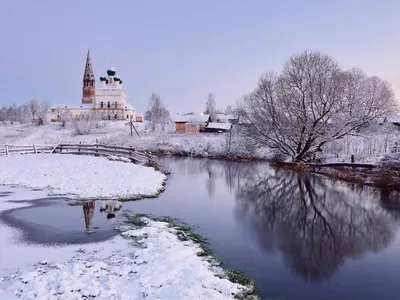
(34, 148)
(6, 149)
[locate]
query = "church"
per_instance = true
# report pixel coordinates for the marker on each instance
(106, 103)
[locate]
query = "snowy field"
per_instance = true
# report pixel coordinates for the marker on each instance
(370, 145)
(142, 263)
(80, 176)
(118, 133)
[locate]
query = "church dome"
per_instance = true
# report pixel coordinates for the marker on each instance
(111, 72)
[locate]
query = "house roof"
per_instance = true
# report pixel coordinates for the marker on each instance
(129, 106)
(222, 126)
(226, 117)
(192, 118)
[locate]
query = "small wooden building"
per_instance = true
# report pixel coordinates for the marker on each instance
(191, 123)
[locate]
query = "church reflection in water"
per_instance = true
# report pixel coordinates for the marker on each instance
(88, 211)
(108, 208)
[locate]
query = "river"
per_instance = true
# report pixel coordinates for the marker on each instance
(299, 236)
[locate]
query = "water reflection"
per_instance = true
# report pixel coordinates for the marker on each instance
(110, 209)
(315, 224)
(88, 211)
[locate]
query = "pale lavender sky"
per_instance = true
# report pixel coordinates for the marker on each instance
(183, 49)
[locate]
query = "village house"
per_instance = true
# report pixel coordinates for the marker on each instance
(191, 123)
(107, 103)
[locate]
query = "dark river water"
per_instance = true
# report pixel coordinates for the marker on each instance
(299, 236)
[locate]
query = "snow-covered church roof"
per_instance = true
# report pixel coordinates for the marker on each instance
(73, 106)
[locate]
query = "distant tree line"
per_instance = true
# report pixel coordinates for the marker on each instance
(32, 111)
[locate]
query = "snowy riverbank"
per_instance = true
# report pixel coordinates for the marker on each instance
(80, 176)
(148, 260)
(158, 266)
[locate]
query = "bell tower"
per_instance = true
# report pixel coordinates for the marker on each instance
(88, 93)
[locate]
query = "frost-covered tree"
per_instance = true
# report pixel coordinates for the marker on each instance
(312, 102)
(157, 113)
(229, 110)
(211, 106)
(38, 110)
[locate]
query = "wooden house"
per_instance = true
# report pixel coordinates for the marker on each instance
(191, 123)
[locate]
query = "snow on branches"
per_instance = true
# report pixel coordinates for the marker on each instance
(312, 102)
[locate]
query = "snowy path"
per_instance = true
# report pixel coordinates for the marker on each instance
(157, 266)
(81, 176)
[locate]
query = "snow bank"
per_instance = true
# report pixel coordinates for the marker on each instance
(81, 176)
(160, 266)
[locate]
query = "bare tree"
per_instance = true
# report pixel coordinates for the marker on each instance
(157, 112)
(147, 115)
(164, 118)
(38, 111)
(211, 106)
(33, 106)
(229, 109)
(42, 112)
(311, 103)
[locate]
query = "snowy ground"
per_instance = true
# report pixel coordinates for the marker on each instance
(111, 133)
(370, 145)
(81, 176)
(148, 262)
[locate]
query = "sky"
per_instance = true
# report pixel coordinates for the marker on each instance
(185, 49)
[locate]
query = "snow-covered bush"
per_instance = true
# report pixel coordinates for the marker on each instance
(84, 125)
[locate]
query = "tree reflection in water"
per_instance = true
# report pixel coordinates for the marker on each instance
(314, 223)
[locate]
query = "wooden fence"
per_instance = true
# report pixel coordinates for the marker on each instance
(106, 150)
(6, 149)
(81, 149)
